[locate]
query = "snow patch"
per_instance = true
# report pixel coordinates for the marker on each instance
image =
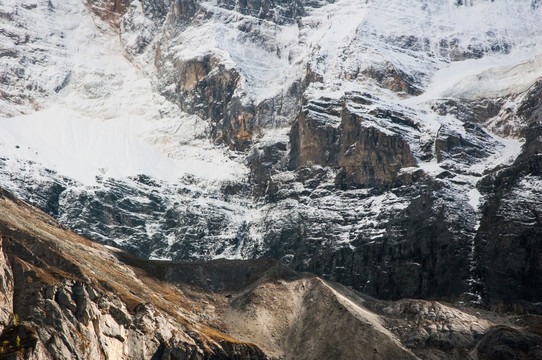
(474, 197)
(493, 82)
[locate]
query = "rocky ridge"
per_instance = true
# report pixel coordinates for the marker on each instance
(66, 297)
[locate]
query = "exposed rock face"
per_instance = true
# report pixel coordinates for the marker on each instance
(507, 343)
(109, 10)
(451, 146)
(511, 231)
(464, 329)
(282, 316)
(294, 317)
(313, 138)
(280, 11)
(207, 84)
(205, 87)
(123, 210)
(6, 300)
(531, 108)
(65, 297)
(368, 156)
(435, 331)
(265, 161)
(511, 228)
(475, 111)
(391, 78)
(365, 156)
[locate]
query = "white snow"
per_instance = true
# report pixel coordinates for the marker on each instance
(82, 148)
(489, 77)
(330, 29)
(108, 121)
(425, 39)
(474, 198)
(268, 60)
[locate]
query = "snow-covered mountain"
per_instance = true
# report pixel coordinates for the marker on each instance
(391, 145)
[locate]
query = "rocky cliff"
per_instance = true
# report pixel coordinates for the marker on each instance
(65, 297)
(392, 146)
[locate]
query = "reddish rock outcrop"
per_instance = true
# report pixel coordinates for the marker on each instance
(109, 10)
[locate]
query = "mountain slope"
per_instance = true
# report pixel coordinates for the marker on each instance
(388, 145)
(66, 297)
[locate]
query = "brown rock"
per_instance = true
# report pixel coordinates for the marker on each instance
(109, 10)
(393, 79)
(365, 155)
(50, 274)
(369, 156)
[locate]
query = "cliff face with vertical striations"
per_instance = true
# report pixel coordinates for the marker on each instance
(365, 156)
